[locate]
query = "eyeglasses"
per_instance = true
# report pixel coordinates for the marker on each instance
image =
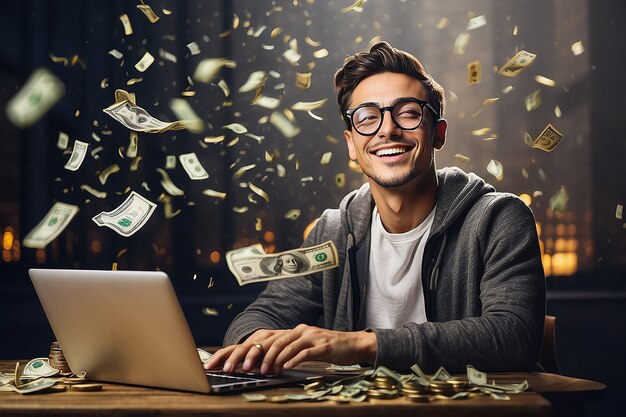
(407, 114)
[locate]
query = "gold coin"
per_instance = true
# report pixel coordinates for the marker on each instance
(418, 398)
(86, 387)
(314, 386)
(55, 388)
(409, 391)
(74, 381)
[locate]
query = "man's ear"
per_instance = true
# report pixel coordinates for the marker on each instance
(440, 134)
(349, 141)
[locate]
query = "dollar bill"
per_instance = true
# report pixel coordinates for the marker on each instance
(204, 355)
(37, 368)
(533, 100)
(145, 62)
(147, 10)
(168, 185)
(30, 387)
(108, 171)
(208, 68)
(137, 119)
(194, 48)
(284, 125)
(255, 80)
(128, 28)
(515, 65)
(476, 22)
(548, 139)
(129, 217)
(473, 72)
(121, 95)
(51, 226)
(303, 80)
(251, 264)
(42, 90)
(78, 155)
(308, 105)
(183, 110)
(170, 162)
(192, 166)
(475, 376)
(5, 378)
(63, 140)
(558, 202)
(131, 152)
(461, 42)
(496, 169)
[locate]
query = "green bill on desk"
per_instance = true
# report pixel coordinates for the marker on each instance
(252, 264)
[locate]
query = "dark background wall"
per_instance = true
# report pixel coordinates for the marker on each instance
(589, 300)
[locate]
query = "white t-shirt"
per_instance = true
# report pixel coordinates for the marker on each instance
(394, 294)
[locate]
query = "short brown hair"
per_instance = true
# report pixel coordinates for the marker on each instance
(382, 57)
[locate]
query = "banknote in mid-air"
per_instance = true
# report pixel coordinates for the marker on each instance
(138, 119)
(42, 90)
(129, 217)
(78, 155)
(515, 65)
(548, 139)
(51, 226)
(252, 264)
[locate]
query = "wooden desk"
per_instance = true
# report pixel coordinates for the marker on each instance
(121, 400)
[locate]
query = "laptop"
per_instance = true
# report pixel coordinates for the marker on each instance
(128, 327)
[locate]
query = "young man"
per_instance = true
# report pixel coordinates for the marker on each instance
(435, 267)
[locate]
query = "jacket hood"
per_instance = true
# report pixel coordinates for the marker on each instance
(457, 191)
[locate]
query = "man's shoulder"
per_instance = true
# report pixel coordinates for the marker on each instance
(352, 213)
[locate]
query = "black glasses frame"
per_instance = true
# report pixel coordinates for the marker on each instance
(422, 104)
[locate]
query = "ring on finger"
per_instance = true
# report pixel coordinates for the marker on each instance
(258, 346)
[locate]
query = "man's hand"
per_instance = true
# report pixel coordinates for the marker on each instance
(284, 349)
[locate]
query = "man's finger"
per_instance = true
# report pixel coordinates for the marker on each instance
(291, 350)
(312, 353)
(219, 357)
(255, 353)
(276, 347)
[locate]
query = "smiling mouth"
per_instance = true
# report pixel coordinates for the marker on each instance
(391, 151)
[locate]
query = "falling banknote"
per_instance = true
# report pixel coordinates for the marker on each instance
(516, 64)
(548, 139)
(252, 264)
(42, 90)
(51, 226)
(137, 119)
(129, 217)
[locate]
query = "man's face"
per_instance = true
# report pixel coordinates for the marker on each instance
(394, 157)
(289, 263)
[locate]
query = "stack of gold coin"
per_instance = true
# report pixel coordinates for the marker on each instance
(57, 359)
(441, 388)
(384, 387)
(414, 391)
(459, 385)
(384, 382)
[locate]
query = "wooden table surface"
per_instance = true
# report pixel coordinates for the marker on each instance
(123, 400)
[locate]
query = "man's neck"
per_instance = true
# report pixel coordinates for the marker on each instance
(404, 208)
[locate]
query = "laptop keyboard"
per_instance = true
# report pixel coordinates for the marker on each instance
(221, 380)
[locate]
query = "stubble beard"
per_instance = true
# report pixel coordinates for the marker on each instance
(395, 180)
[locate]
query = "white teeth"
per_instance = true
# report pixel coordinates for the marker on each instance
(390, 151)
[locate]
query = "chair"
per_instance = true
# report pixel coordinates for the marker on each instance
(547, 357)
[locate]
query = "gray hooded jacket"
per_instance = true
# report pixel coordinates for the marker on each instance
(483, 283)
